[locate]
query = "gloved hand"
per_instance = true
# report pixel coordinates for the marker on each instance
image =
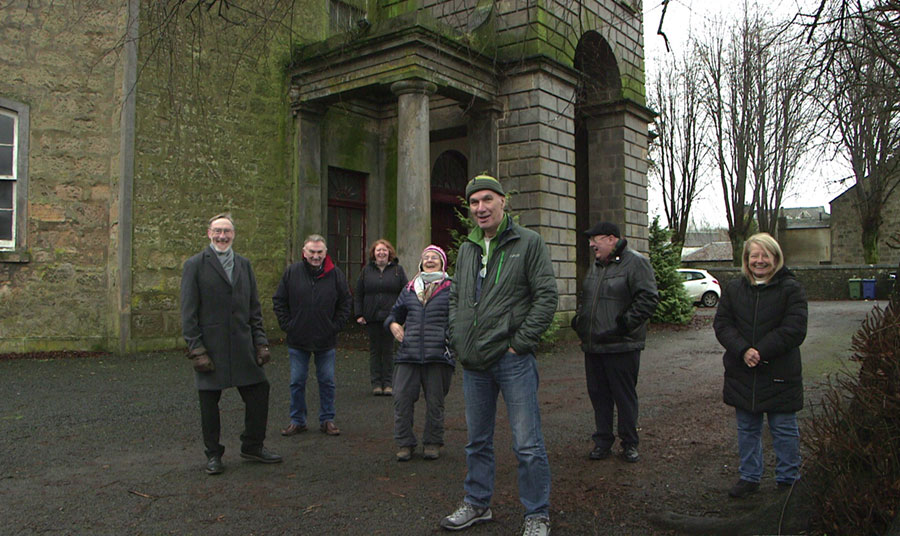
(200, 360)
(263, 355)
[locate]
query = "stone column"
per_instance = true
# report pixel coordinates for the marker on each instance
(413, 170)
(310, 186)
(483, 141)
(617, 171)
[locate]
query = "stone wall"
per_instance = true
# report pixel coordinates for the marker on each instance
(58, 58)
(827, 282)
(212, 136)
(846, 233)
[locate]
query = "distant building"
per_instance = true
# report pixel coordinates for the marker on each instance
(712, 255)
(804, 234)
(846, 231)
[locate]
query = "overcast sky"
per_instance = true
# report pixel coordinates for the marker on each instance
(816, 188)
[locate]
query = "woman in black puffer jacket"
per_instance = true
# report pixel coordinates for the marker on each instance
(419, 321)
(761, 322)
(377, 288)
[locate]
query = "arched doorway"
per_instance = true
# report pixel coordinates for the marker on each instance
(599, 85)
(448, 185)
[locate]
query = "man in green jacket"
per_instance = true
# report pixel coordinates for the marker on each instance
(502, 300)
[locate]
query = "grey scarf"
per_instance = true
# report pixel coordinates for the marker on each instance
(227, 260)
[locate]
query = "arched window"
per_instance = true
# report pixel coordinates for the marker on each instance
(448, 185)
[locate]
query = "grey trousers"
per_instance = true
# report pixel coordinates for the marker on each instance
(434, 380)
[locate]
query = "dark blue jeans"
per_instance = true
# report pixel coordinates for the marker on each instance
(324, 374)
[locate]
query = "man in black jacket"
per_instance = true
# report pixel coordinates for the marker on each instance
(221, 321)
(312, 304)
(618, 297)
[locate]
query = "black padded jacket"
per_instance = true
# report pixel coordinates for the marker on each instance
(771, 318)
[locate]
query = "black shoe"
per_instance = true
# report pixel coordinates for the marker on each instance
(599, 453)
(214, 465)
(784, 486)
(262, 455)
(743, 488)
(630, 454)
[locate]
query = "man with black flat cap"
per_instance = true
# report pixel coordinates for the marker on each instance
(618, 297)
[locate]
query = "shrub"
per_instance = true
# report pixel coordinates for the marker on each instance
(675, 306)
(854, 435)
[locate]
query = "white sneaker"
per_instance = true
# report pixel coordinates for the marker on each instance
(465, 516)
(536, 526)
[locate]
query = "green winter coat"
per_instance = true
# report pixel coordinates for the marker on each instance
(518, 296)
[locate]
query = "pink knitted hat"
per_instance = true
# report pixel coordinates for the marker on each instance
(440, 252)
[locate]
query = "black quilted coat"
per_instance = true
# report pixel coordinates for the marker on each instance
(771, 318)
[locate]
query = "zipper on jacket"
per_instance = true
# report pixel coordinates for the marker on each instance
(753, 342)
(499, 267)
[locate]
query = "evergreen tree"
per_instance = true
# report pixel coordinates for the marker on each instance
(675, 306)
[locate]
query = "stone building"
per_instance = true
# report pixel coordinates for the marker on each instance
(846, 232)
(368, 128)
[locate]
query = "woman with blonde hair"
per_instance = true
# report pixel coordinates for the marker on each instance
(761, 322)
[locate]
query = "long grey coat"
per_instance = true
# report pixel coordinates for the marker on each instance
(224, 318)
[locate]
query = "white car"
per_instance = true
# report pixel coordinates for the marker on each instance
(701, 286)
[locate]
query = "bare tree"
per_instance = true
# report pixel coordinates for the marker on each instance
(728, 66)
(862, 106)
(757, 96)
(785, 117)
(680, 152)
(859, 45)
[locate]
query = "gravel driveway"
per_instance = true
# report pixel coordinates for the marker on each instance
(112, 445)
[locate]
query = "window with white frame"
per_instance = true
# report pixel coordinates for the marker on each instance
(8, 127)
(13, 174)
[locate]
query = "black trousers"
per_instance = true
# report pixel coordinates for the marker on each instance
(381, 355)
(256, 416)
(612, 381)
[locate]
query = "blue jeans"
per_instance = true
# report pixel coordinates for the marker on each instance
(515, 376)
(785, 442)
(324, 374)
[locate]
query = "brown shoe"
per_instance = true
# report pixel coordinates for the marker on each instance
(431, 452)
(328, 427)
(377, 391)
(293, 429)
(388, 391)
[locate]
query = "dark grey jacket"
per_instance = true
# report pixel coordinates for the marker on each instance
(771, 318)
(223, 318)
(617, 300)
(518, 297)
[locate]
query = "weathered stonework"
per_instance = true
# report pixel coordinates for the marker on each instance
(57, 299)
(124, 175)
